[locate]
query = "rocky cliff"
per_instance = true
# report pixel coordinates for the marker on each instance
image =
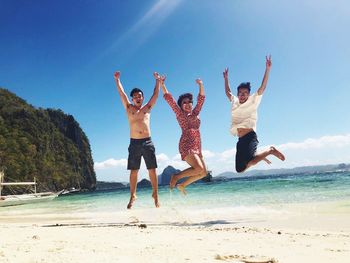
(43, 143)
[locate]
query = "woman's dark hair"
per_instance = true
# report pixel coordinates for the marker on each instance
(184, 96)
(244, 85)
(135, 90)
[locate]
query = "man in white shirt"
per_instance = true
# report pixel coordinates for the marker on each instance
(244, 118)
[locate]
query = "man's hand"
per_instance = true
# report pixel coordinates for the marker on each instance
(199, 82)
(156, 76)
(117, 75)
(268, 62)
(225, 73)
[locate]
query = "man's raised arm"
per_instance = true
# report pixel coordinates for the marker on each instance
(227, 85)
(266, 75)
(121, 91)
(154, 97)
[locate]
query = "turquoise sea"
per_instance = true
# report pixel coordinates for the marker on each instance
(204, 200)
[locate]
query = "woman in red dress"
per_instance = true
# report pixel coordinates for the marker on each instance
(190, 141)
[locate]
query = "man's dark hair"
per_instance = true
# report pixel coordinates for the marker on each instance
(184, 96)
(135, 90)
(244, 85)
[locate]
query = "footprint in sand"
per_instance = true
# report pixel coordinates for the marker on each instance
(133, 220)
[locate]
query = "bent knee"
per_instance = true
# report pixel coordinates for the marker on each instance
(201, 171)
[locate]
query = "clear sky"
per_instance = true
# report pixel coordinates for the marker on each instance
(62, 54)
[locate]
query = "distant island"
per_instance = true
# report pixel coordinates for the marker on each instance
(45, 144)
(297, 170)
(164, 177)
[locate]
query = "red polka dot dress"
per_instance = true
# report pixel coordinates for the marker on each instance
(190, 141)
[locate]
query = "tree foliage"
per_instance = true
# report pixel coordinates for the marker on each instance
(43, 143)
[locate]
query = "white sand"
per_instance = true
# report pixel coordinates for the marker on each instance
(297, 233)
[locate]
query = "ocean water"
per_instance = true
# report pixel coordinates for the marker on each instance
(204, 200)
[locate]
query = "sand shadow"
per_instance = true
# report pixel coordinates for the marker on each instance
(141, 223)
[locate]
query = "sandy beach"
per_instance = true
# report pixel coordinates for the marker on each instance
(294, 233)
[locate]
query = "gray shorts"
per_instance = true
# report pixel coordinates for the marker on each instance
(141, 148)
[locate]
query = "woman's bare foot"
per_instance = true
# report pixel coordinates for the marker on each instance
(181, 188)
(172, 182)
(156, 201)
(277, 153)
(132, 200)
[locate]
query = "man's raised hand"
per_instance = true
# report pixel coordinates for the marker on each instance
(156, 75)
(117, 75)
(225, 73)
(199, 82)
(268, 62)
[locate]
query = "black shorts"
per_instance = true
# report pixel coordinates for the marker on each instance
(137, 149)
(246, 149)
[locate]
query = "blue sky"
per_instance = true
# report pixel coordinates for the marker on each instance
(62, 54)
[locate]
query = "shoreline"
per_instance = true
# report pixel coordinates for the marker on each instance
(316, 232)
(330, 215)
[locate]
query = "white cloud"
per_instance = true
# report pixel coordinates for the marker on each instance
(312, 151)
(228, 154)
(208, 154)
(162, 157)
(110, 163)
(337, 141)
(177, 157)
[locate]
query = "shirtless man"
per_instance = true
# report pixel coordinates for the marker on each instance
(140, 136)
(244, 117)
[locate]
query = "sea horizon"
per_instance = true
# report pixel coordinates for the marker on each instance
(256, 173)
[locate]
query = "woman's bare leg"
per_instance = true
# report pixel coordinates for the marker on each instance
(194, 173)
(196, 168)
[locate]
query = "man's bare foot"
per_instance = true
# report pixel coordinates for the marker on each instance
(132, 200)
(156, 201)
(267, 161)
(172, 182)
(181, 188)
(277, 153)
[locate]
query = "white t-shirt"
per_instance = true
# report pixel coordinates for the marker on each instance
(244, 115)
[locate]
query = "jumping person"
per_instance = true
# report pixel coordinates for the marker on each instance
(244, 118)
(141, 144)
(190, 142)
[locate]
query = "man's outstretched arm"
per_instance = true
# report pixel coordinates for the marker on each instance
(121, 91)
(155, 94)
(227, 84)
(266, 75)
